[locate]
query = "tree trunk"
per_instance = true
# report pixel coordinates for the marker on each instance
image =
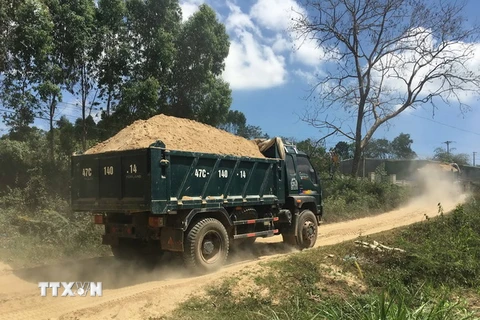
(53, 105)
(356, 157)
(84, 107)
(358, 140)
(108, 103)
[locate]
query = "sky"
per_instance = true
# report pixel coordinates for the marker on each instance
(271, 72)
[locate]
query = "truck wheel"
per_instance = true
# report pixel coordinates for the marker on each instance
(206, 246)
(307, 231)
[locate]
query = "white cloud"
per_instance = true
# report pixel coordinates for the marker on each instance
(308, 76)
(275, 15)
(278, 15)
(237, 21)
(454, 59)
(250, 63)
(307, 52)
(281, 44)
(189, 7)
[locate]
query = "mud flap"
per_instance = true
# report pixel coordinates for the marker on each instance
(171, 239)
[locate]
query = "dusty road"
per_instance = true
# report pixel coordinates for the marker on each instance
(133, 292)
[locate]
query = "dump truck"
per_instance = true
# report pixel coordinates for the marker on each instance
(200, 205)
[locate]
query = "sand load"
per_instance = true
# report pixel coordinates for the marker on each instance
(178, 134)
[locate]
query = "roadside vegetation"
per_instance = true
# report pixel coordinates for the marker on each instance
(435, 275)
(36, 223)
(347, 198)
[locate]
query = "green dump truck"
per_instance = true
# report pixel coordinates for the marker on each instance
(154, 199)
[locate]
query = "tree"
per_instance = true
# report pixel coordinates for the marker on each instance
(198, 92)
(401, 147)
(440, 154)
(112, 42)
(75, 29)
(236, 123)
(5, 23)
(153, 27)
(252, 132)
(139, 101)
(377, 148)
(317, 154)
(28, 46)
(387, 56)
(67, 145)
(344, 150)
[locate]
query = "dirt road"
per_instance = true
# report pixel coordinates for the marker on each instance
(133, 292)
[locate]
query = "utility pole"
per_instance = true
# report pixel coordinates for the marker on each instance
(474, 153)
(448, 145)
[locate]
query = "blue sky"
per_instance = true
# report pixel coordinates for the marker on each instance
(272, 78)
(270, 73)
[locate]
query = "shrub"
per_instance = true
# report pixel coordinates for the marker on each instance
(347, 197)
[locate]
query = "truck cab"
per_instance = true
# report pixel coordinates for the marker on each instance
(303, 181)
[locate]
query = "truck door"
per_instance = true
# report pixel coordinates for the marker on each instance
(292, 179)
(308, 183)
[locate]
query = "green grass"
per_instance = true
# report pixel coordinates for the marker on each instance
(437, 277)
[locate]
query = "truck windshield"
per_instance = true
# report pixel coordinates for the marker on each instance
(306, 169)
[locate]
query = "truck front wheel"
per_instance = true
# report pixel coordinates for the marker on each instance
(206, 246)
(307, 231)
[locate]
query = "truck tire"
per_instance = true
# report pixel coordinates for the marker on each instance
(206, 246)
(307, 231)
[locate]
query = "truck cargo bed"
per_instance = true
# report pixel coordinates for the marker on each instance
(159, 180)
(112, 181)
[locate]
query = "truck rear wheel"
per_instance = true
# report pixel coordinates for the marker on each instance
(206, 246)
(307, 231)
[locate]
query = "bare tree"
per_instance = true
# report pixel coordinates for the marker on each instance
(386, 56)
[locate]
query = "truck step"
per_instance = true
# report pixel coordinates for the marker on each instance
(268, 233)
(253, 221)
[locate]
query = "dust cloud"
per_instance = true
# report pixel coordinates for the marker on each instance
(436, 184)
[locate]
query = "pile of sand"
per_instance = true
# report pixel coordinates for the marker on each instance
(178, 134)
